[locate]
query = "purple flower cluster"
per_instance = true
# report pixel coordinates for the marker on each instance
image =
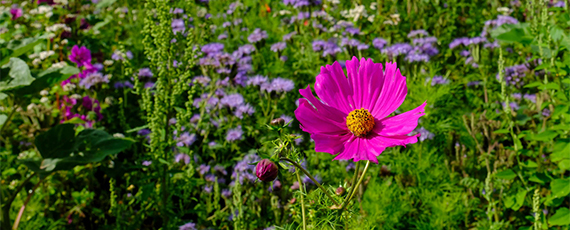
(501, 20)
(178, 26)
(257, 35)
(379, 43)
(278, 47)
(234, 134)
(416, 33)
(424, 134)
(246, 169)
(438, 80)
(514, 75)
(92, 79)
(145, 72)
(329, 48)
(351, 42)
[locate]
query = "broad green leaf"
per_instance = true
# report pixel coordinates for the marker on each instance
(506, 174)
(20, 47)
(33, 165)
(560, 218)
(3, 96)
(560, 187)
(515, 200)
(56, 142)
(47, 79)
(19, 75)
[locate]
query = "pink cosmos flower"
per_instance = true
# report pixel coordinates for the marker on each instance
(350, 118)
(80, 56)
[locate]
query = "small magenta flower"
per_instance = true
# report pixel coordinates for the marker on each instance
(266, 170)
(351, 117)
(16, 12)
(80, 56)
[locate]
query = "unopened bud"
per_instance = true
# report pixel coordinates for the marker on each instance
(277, 122)
(339, 191)
(266, 170)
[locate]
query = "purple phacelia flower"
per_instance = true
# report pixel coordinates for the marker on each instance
(234, 134)
(232, 100)
(279, 46)
(145, 72)
(182, 157)
(257, 35)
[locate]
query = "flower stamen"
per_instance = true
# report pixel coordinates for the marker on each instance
(360, 122)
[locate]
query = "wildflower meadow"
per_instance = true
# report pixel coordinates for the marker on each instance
(292, 114)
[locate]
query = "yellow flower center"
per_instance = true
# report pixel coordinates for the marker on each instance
(360, 122)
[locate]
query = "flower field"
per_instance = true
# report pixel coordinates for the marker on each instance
(293, 114)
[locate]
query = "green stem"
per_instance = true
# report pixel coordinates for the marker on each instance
(311, 177)
(302, 199)
(352, 189)
(344, 204)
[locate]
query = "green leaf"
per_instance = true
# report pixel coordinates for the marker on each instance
(544, 136)
(515, 200)
(21, 47)
(105, 3)
(96, 145)
(3, 119)
(56, 142)
(533, 84)
(99, 25)
(529, 164)
(560, 187)
(506, 174)
(48, 78)
(19, 75)
(3, 96)
(560, 218)
(500, 131)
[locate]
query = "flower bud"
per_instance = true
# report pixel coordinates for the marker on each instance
(266, 170)
(339, 191)
(278, 122)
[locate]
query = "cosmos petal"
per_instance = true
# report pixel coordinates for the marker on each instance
(400, 124)
(394, 91)
(331, 144)
(366, 78)
(315, 121)
(333, 89)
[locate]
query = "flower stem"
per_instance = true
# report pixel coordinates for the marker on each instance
(21, 212)
(311, 177)
(354, 179)
(347, 201)
(302, 199)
